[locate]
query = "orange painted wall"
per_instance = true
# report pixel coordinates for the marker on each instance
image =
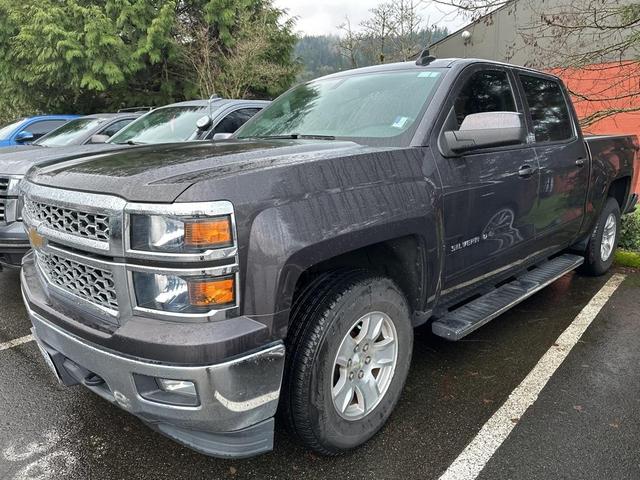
(607, 86)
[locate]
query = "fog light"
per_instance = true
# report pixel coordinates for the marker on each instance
(181, 387)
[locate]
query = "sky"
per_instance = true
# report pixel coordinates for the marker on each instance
(318, 17)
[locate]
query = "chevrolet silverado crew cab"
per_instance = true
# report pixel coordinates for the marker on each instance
(204, 287)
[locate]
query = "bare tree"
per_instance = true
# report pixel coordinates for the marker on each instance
(350, 43)
(407, 23)
(379, 28)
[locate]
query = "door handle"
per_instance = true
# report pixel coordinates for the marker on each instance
(526, 171)
(580, 162)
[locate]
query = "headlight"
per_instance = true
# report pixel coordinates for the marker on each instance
(158, 233)
(187, 295)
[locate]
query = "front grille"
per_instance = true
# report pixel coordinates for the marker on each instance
(87, 225)
(4, 185)
(3, 215)
(92, 284)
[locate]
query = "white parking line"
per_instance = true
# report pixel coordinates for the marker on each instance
(16, 342)
(475, 456)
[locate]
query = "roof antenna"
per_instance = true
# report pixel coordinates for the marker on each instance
(424, 58)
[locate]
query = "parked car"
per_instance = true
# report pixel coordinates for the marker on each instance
(200, 286)
(185, 121)
(192, 120)
(27, 130)
(97, 128)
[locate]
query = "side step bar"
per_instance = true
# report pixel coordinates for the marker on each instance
(462, 321)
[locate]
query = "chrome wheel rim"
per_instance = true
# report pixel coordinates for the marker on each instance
(608, 238)
(364, 366)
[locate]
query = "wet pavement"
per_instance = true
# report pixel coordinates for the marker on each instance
(585, 424)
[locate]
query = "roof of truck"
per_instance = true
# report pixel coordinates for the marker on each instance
(436, 63)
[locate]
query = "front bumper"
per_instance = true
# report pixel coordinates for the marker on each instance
(14, 244)
(237, 398)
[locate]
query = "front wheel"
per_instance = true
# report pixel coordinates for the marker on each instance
(349, 350)
(604, 241)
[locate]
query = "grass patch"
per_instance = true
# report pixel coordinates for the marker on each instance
(625, 258)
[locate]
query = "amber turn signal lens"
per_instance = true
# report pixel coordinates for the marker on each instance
(207, 293)
(208, 233)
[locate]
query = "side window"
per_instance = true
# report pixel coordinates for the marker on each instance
(548, 107)
(234, 121)
(485, 91)
(40, 129)
(115, 127)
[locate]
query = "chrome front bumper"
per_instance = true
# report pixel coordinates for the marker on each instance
(237, 398)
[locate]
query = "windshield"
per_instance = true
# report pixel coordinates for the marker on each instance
(6, 131)
(378, 108)
(169, 124)
(70, 132)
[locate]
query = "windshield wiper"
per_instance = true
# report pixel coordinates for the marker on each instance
(295, 136)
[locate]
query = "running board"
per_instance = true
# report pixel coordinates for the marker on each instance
(462, 321)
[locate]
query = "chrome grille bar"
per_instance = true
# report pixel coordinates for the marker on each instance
(4, 185)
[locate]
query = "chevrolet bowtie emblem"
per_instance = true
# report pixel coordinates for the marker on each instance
(37, 240)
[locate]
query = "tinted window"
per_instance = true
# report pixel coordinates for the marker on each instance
(548, 107)
(115, 127)
(41, 128)
(382, 108)
(234, 121)
(485, 91)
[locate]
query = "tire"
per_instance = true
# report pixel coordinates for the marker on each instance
(596, 261)
(322, 316)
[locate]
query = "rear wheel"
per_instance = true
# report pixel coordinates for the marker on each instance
(349, 350)
(604, 240)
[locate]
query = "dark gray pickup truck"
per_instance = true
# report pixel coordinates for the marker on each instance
(203, 287)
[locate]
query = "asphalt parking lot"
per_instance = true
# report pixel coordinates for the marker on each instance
(585, 424)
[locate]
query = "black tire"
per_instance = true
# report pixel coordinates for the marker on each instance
(322, 315)
(594, 265)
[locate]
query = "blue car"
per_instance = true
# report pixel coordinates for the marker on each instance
(27, 130)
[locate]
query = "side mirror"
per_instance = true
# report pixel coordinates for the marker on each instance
(204, 122)
(222, 136)
(24, 136)
(486, 130)
(99, 139)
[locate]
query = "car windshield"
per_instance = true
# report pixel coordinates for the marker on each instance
(8, 130)
(380, 108)
(169, 124)
(70, 132)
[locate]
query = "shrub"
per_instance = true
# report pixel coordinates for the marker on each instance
(630, 232)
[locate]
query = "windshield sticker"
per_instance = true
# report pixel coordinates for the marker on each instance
(428, 74)
(400, 122)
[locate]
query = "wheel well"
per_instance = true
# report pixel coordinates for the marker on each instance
(401, 259)
(619, 189)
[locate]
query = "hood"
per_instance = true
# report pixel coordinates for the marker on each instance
(18, 160)
(160, 173)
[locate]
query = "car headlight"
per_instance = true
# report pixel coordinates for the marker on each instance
(159, 233)
(180, 294)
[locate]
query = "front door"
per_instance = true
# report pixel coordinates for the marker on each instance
(489, 195)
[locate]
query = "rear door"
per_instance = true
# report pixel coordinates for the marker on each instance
(563, 159)
(488, 200)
